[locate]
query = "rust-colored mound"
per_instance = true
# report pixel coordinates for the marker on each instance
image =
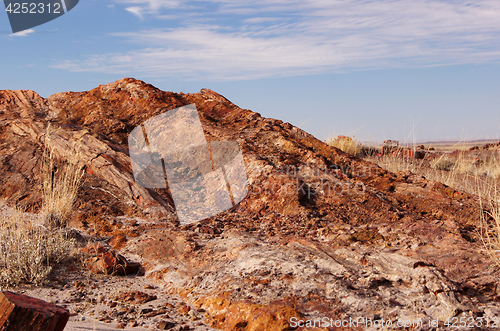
(320, 233)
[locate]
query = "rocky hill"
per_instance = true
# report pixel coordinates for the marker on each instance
(320, 233)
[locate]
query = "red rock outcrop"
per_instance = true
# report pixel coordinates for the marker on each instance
(320, 233)
(108, 262)
(19, 312)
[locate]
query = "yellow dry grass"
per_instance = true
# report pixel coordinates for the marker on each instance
(490, 226)
(346, 144)
(462, 172)
(61, 182)
(28, 251)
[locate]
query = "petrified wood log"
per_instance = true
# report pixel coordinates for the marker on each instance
(19, 312)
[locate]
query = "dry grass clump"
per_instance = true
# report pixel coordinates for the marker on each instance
(442, 163)
(463, 164)
(494, 172)
(490, 228)
(29, 251)
(346, 144)
(395, 163)
(61, 182)
(491, 168)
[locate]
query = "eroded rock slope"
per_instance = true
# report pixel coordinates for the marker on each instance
(320, 233)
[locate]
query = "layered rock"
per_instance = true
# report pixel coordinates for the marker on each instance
(320, 233)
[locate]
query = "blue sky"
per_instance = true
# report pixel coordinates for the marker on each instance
(386, 69)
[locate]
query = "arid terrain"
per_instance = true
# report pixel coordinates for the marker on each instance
(323, 240)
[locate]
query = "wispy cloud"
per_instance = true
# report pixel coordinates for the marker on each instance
(253, 39)
(149, 7)
(136, 11)
(23, 33)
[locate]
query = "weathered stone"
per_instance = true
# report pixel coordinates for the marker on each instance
(109, 262)
(165, 325)
(155, 313)
(93, 249)
(184, 309)
(135, 297)
(19, 312)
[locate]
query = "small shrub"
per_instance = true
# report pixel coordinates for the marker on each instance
(442, 163)
(287, 146)
(493, 168)
(346, 144)
(494, 172)
(464, 165)
(28, 251)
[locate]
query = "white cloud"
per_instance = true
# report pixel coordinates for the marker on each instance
(136, 11)
(23, 33)
(149, 7)
(258, 38)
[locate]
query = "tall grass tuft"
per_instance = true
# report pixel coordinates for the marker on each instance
(61, 182)
(490, 227)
